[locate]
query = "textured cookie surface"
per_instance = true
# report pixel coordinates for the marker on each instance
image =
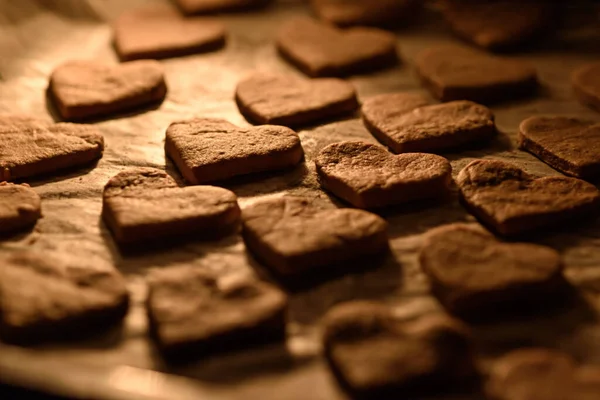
(213, 6)
(161, 32)
(586, 84)
(206, 149)
(146, 204)
(360, 12)
(290, 101)
(368, 176)
(20, 207)
(318, 49)
(291, 236)
(193, 312)
(511, 202)
(570, 145)
(89, 89)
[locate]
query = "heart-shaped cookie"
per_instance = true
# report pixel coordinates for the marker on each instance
(474, 275)
(359, 12)
(86, 89)
(570, 145)
(208, 149)
(30, 147)
(374, 355)
(20, 207)
(426, 128)
(291, 236)
(537, 373)
(290, 101)
(586, 84)
(318, 49)
(368, 176)
(497, 24)
(213, 6)
(452, 72)
(46, 296)
(510, 201)
(193, 312)
(160, 31)
(145, 204)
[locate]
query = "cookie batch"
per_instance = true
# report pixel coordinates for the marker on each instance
(488, 268)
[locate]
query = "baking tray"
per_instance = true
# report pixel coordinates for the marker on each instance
(36, 36)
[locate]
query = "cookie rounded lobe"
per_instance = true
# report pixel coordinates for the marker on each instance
(20, 207)
(356, 12)
(586, 84)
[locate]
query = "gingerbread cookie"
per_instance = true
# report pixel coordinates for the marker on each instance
(54, 296)
(214, 6)
(511, 202)
(318, 49)
(145, 204)
(90, 89)
(360, 12)
(586, 84)
(292, 237)
(570, 145)
(207, 149)
(427, 128)
(161, 32)
(193, 312)
(476, 276)
(374, 355)
(32, 147)
(368, 176)
(457, 73)
(290, 101)
(20, 207)
(536, 373)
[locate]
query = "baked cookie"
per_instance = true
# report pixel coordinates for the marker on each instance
(161, 32)
(193, 312)
(90, 89)
(374, 355)
(497, 24)
(20, 207)
(207, 149)
(586, 84)
(32, 147)
(145, 204)
(452, 72)
(360, 12)
(290, 101)
(512, 202)
(368, 176)
(536, 373)
(475, 276)
(54, 296)
(291, 236)
(426, 128)
(214, 6)
(318, 49)
(569, 145)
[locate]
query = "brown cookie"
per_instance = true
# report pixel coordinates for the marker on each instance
(145, 204)
(318, 49)
(54, 296)
(290, 101)
(20, 207)
(511, 202)
(207, 149)
(161, 32)
(456, 73)
(536, 374)
(476, 276)
(213, 6)
(31, 147)
(428, 128)
(193, 312)
(586, 84)
(86, 89)
(368, 176)
(291, 236)
(497, 24)
(374, 355)
(360, 12)
(570, 145)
